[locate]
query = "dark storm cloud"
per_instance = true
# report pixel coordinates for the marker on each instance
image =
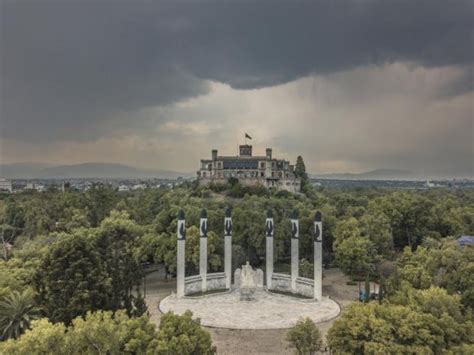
(74, 70)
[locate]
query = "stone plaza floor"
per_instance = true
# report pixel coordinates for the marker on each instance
(266, 311)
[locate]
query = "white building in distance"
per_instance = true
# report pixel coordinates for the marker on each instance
(6, 185)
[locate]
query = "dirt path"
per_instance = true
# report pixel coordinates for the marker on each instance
(248, 342)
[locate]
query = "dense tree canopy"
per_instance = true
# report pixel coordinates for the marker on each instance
(428, 321)
(182, 335)
(82, 251)
(107, 333)
(90, 269)
(305, 337)
(17, 310)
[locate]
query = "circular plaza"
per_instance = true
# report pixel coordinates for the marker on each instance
(265, 311)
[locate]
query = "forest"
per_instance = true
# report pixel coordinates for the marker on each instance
(73, 257)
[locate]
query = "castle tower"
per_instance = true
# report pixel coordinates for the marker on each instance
(245, 150)
(269, 153)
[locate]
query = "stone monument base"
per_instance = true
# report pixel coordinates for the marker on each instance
(247, 294)
(266, 311)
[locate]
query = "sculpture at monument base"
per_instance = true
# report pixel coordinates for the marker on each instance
(248, 282)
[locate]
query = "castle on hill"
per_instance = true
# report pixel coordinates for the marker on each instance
(250, 170)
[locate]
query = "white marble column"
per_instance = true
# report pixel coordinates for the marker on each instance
(181, 260)
(228, 248)
(295, 232)
(203, 250)
(318, 257)
(269, 248)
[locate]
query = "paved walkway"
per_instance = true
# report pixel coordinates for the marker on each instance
(266, 311)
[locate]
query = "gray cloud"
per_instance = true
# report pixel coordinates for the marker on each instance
(76, 70)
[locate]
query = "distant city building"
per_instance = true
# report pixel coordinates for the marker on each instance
(249, 170)
(138, 187)
(34, 186)
(6, 185)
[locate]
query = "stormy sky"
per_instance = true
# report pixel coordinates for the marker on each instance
(349, 85)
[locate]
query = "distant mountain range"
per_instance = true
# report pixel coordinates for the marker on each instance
(85, 170)
(378, 174)
(121, 171)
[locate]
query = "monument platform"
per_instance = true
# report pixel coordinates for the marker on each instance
(266, 311)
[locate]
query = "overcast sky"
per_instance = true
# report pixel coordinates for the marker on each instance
(349, 85)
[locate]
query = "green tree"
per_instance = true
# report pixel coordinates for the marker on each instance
(192, 251)
(355, 255)
(440, 263)
(345, 229)
(97, 333)
(403, 329)
(43, 338)
(71, 279)
(182, 335)
(165, 252)
(376, 226)
(108, 333)
(306, 269)
(117, 242)
(100, 200)
(92, 269)
(73, 218)
(300, 171)
(305, 337)
(17, 310)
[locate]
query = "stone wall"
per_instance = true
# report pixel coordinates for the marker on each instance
(216, 281)
(305, 286)
(282, 283)
(193, 284)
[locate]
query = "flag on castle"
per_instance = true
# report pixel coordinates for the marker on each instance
(247, 136)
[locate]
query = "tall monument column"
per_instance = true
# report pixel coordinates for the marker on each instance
(295, 232)
(181, 256)
(228, 248)
(269, 248)
(203, 249)
(318, 256)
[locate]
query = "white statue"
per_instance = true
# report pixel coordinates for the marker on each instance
(248, 277)
(248, 282)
